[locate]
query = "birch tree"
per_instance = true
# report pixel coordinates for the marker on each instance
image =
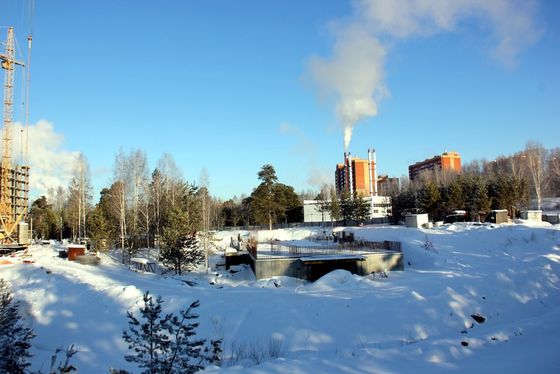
(120, 194)
(535, 155)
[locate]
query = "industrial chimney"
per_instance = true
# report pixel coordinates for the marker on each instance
(350, 176)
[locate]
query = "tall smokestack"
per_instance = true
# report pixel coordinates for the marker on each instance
(350, 176)
(344, 182)
(370, 169)
(374, 173)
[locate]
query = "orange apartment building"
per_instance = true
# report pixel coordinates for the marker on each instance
(360, 182)
(448, 161)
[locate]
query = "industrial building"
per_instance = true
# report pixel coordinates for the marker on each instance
(446, 162)
(357, 176)
(381, 209)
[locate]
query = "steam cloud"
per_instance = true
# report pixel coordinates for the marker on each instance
(51, 166)
(354, 73)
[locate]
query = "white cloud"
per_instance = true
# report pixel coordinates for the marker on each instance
(510, 24)
(354, 73)
(51, 165)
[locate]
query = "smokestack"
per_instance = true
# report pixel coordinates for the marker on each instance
(344, 183)
(370, 167)
(350, 176)
(374, 173)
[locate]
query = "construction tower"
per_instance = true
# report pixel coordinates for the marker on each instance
(14, 179)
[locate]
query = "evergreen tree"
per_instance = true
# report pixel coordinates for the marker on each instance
(15, 338)
(346, 207)
(45, 219)
(361, 209)
(334, 206)
(186, 351)
(265, 207)
(149, 340)
(180, 251)
(167, 343)
(429, 198)
(475, 195)
(99, 229)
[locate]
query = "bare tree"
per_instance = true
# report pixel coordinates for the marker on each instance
(138, 185)
(156, 193)
(204, 182)
(80, 193)
(120, 194)
(535, 155)
(173, 176)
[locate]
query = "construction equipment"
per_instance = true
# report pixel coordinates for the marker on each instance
(14, 179)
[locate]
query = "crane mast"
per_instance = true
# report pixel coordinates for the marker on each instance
(9, 187)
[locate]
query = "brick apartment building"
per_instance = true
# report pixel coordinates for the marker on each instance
(448, 161)
(360, 182)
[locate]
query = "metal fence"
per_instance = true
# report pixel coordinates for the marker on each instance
(325, 224)
(279, 250)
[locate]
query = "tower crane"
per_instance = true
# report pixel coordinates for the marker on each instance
(8, 218)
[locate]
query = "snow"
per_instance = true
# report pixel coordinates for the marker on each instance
(410, 321)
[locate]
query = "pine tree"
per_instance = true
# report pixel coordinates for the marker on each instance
(149, 340)
(15, 338)
(361, 209)
(334, 206)
(186, 352)
(180, 252)
(167, 344)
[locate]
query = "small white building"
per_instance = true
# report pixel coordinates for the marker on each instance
(416, 220)
(381, 208)
(531, 215)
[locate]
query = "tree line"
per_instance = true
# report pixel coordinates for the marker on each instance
(147, 208)
(515, 182)
(157, 209)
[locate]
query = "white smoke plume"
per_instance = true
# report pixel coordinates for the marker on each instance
(354, 73)
(51, 165)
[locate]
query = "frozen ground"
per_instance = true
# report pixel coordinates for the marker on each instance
(419, 320)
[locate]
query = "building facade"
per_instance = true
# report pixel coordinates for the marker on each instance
(446, 162)
(387, 186)
(380, 208)
(354, 175)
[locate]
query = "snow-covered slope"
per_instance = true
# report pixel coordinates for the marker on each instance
(419, 320)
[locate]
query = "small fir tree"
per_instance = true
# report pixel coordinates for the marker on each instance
(167, 344)
(184, 254)
(148, 340)
(15, 338)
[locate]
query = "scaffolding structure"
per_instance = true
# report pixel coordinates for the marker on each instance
(14, 179)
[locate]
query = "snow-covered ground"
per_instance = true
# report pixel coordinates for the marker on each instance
(419, 320)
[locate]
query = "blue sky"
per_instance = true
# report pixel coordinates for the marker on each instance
(228, 86)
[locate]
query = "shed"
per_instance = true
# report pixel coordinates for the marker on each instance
(75, 250)
(416, 220)
(531, 215)
(498, 216)
(553, 218)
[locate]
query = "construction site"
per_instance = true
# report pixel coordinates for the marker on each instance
(14, 171)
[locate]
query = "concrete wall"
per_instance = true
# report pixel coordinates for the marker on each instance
(313, 270)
